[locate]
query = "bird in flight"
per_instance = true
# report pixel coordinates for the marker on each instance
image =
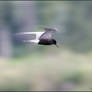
(42, 38)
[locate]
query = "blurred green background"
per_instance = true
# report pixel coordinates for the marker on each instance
(27, 66)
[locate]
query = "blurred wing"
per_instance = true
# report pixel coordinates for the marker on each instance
(48, 33)
(38, 34)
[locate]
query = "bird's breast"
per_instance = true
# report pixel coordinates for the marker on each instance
(45, 42)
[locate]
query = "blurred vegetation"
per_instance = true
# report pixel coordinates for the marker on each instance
(26, 66)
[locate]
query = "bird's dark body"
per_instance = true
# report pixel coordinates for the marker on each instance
(47, 42)
(43, 38)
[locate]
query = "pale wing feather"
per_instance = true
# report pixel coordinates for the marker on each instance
(33, 41)
(38, 34)
(48, 33)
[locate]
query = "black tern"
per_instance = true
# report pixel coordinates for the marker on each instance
(42, 38)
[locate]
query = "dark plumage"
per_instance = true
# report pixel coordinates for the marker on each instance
(43, 38)
(47, 42)
(46, 37)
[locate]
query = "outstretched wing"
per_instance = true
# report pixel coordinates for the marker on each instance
(38, 34)
(48, 33)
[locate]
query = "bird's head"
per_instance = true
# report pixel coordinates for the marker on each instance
(55, 42)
